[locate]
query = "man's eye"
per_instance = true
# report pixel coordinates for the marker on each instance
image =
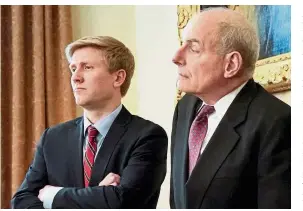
(194, 49)
(72, 69)
(88, 67)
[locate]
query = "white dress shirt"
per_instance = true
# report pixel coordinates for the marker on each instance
(215, 118)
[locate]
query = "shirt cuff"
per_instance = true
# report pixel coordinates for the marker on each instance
(49, 196)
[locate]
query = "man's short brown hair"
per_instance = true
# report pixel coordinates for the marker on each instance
(117, 55)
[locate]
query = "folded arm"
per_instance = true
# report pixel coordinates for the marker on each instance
(35, 179)
(140, 179)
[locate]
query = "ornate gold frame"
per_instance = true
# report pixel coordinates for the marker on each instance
(272, 73)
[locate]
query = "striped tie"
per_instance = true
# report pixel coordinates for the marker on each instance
(90, 153)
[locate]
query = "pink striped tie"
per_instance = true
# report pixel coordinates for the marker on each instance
(197, 134)
(90, 153)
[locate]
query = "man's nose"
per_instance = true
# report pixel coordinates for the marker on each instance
(77, 76)
(178, 58)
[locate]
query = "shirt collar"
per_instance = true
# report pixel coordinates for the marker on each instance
(223, 104)
(103, 124)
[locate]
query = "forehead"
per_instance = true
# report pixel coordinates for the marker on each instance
(200, 27)
(87, 54)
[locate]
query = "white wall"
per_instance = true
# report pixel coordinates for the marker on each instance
(157, 41)
(284, 96)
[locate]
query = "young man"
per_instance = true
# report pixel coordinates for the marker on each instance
(108, 158)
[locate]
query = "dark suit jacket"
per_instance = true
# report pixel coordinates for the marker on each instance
(246, 163)
(134, 148)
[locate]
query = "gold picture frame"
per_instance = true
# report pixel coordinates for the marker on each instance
(273, 73)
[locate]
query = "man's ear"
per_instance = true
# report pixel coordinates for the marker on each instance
(232, 64)
(120, 76)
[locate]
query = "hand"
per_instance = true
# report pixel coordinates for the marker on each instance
(110, 179)
(42, 192)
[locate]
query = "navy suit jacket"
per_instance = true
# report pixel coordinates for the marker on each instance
(134, 148)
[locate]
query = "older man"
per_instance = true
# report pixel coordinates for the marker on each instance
(230, 138)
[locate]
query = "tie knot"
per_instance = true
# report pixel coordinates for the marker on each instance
(206, 111)
(92, 131)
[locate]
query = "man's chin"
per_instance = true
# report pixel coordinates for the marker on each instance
(184, 89)
(81, 103)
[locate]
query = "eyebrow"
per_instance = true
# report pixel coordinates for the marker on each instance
(189, 41)
(193, 40)
(81, 63)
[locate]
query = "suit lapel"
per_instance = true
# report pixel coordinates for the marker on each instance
(180, 161)
(222, 142)
(113, 136)
(220, 145)
(75, 138)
